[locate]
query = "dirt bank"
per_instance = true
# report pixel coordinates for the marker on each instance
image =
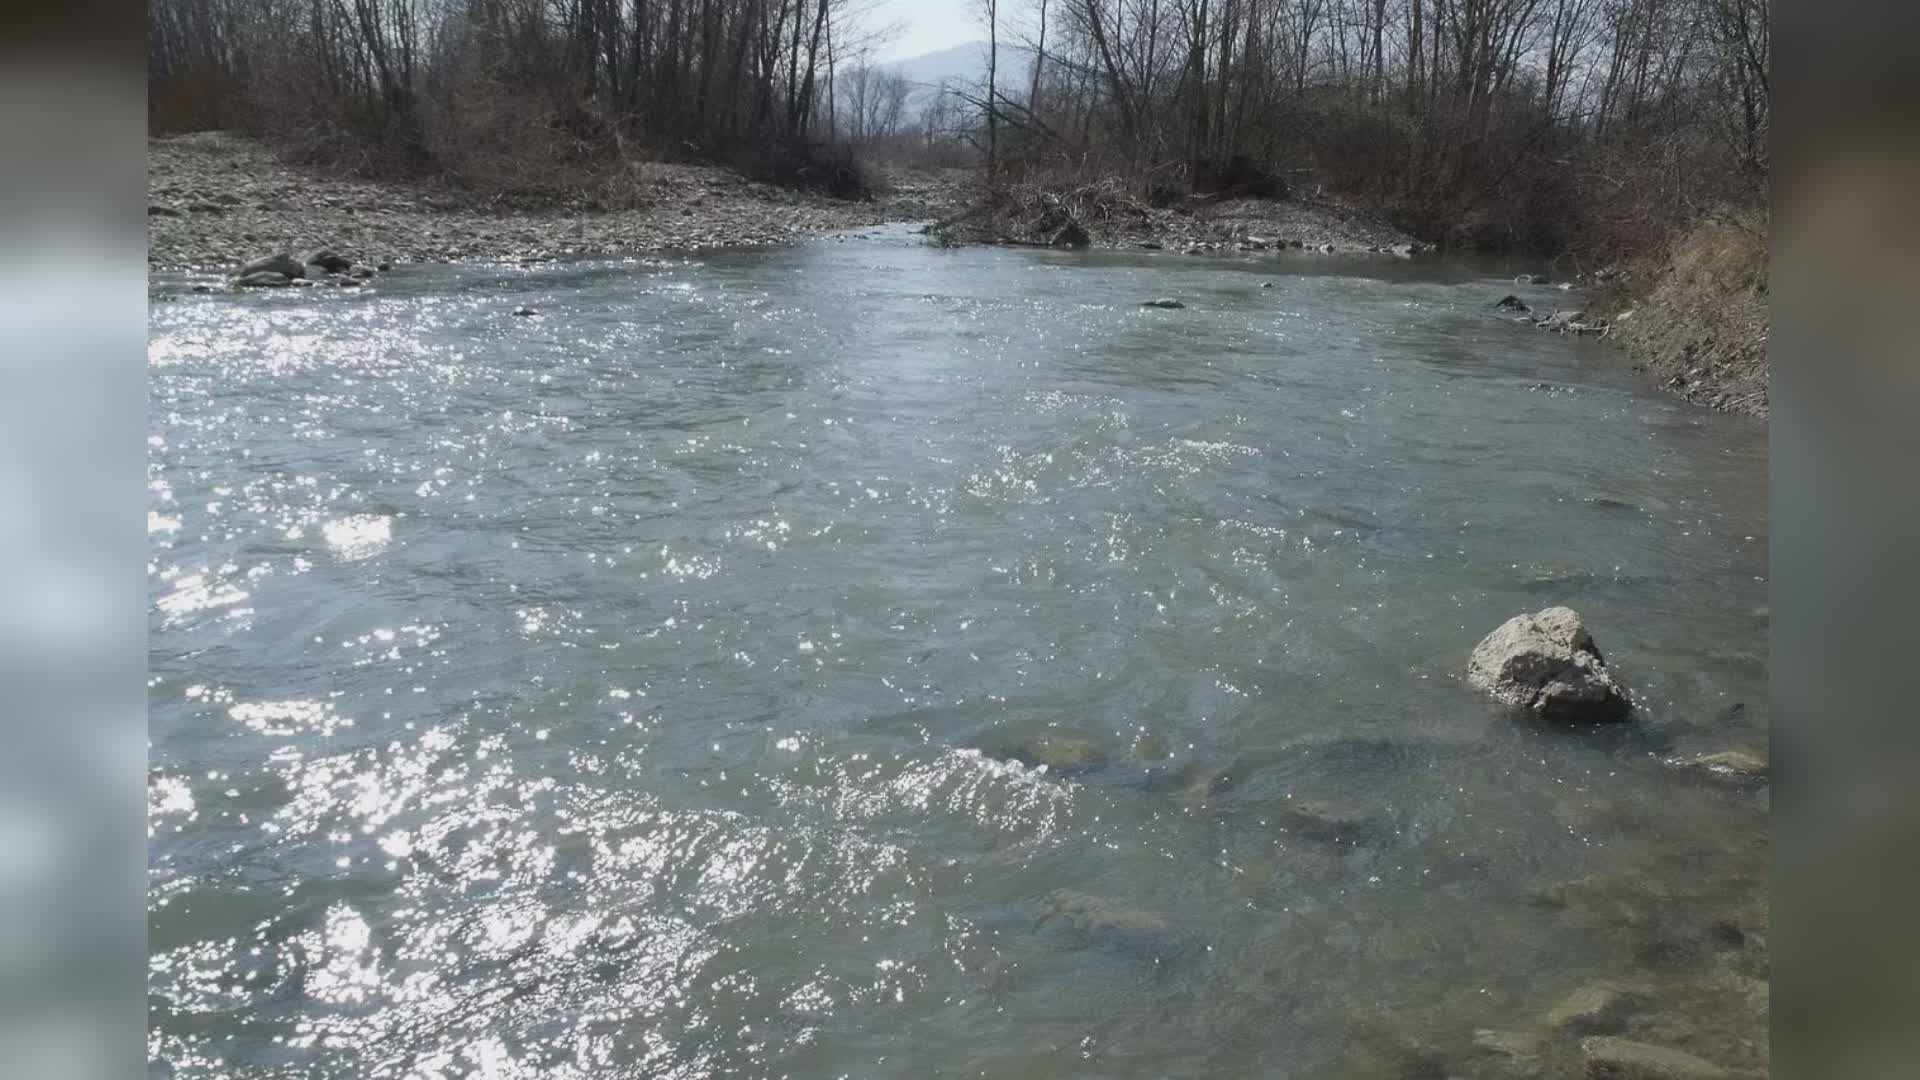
(216, 200)
(1709, 346)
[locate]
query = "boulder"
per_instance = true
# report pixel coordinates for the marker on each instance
(1513, 303)
(264, 279)
(1072, 235)
(326, 260)
(280, 263)
(1163, 302)
(1612, 1058)
(1547, 664)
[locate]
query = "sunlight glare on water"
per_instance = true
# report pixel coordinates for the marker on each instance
(869, 659)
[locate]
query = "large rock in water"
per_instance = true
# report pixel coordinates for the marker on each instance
(326, 260)
(1547, 663)
(280, 263)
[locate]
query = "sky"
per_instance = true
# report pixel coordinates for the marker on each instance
(927, 25)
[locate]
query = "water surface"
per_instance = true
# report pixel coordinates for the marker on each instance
(864, 659)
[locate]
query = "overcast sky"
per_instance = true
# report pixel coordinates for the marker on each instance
(928, 25)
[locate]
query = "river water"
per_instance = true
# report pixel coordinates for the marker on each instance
(865, 659)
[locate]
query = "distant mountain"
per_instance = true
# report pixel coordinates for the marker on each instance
(963, 65)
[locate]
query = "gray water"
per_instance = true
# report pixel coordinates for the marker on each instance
(864, 659)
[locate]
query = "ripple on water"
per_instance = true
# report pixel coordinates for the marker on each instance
(765, 654)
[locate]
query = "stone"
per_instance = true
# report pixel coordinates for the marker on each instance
(1072, 235)
(264, 279)
(524, 311)
(1736, 766)
(1547, 663)
(361, 272)
(326, 260)
(1266, 284)
(1599, 1008)
(1612, 1058)
(1530, 279)
(157, 210)
(1058, 752)
(1507, 1044)
(1513, 303)
(1102, 920)
(279, 263)
(1163, 302)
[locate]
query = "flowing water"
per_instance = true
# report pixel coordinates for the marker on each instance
(864, 659)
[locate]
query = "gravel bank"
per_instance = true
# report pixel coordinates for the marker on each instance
(216, 200)
(1107, 215)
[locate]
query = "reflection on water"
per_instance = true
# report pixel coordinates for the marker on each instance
(866, 659)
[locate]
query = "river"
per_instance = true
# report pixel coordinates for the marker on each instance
(867, 659)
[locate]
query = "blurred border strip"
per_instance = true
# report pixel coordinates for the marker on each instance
(1846, 526)
(72, 581)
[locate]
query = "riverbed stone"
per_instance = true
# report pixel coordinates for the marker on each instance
(264, 279)
(327, 260)
(1598, 1008)
(1612, 1058)
(1163, 302)
(1512, 303)
(280, 263)
(1547, 663)
(1733, 766)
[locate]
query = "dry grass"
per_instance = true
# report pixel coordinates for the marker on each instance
(1726, 252)
(1703, 329)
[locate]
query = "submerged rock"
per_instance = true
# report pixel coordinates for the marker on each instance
(1058, 752)
(1163, 302)
(1513, 303)
(264, 279)
(524, 311)
(1599, 1008)
(280, 263)
(1097, 915)
(1612, 1058)
(1548, 664)
(1734, 766)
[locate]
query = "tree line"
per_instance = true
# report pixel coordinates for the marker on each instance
(1500, 120)
(479, 85)
(1433, 106)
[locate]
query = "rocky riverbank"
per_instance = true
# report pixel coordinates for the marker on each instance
(216, 200)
